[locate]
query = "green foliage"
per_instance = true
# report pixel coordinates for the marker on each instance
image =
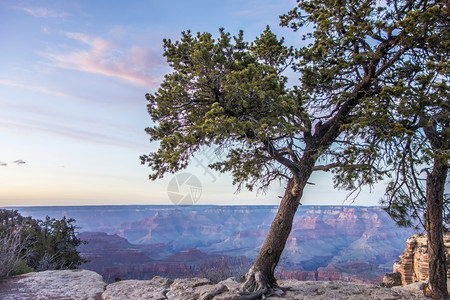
(392, 279)
(21, 268)
(38, 245)
(368, 90)
(55, 245)
(233, 95)
(226, 93)
(404, 130)
(11, 218)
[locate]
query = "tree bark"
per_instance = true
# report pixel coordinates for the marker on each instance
(261, 274)
(437, 282)
(260, 278)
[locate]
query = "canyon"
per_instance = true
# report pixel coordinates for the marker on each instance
(346, 243)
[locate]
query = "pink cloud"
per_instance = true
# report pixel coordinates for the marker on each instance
(102, 57)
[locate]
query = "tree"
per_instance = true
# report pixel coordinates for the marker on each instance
(233, 95)
(55, 245)
(406, 130)
(37, 245)
(413, 143)
(422, 135)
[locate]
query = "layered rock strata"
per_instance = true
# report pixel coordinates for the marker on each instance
(413, 264)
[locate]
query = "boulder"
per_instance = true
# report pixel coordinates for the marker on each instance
(156, 289)
(53, 285)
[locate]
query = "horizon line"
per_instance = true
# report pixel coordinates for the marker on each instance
(185, 205)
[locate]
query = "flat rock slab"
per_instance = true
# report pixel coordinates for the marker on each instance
(155, 289)
(88, 285)
(53, 285)
(179, 289)
(202, 289)
(324, 290)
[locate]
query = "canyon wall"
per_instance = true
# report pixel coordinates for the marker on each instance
(326, 243)
(413, 264)
(350, 243)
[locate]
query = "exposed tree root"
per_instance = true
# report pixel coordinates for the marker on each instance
(256, 286)
(251, 296)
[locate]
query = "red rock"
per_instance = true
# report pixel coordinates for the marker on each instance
(413, 264)
(329, 273)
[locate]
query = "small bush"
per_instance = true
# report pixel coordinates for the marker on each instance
(13, 251)
(21, 268)
(392, 279)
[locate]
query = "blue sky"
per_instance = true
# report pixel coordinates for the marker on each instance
(72, 110)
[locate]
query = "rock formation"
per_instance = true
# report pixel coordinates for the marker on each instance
(413, 264)
(88, 285)
(49, 285)
(326, 243)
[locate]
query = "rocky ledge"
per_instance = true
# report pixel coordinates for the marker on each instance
(88, 285)
(53, 285)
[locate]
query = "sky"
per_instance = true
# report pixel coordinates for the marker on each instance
(73, 75)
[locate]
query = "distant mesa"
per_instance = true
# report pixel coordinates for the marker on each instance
(326, 243)
(346, 243)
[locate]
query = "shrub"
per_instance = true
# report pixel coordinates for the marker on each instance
(392, 279)
(27, 244)
(13, 251)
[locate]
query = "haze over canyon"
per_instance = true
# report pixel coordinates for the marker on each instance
(349, 243)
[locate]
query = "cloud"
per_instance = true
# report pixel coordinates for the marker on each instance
(33, 88)
(40, 12)
(102, 57)
(17, 162)
(73, 132)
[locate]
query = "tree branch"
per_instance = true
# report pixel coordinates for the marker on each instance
(327, 168)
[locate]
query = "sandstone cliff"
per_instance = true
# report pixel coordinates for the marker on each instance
(413, 264)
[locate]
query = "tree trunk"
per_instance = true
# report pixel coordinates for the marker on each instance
(437, 282)
(261, 277)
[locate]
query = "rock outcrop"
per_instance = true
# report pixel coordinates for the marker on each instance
(413, 264)
(88, 285)
(202, 289)
(53, 285)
